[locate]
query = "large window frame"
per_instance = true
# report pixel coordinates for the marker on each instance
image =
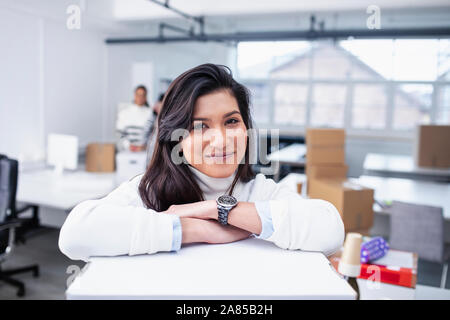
(387, 132)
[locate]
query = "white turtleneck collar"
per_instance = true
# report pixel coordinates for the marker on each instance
(212, 187)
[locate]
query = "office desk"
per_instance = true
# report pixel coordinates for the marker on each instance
(420, 192)
(292, 155)
(414, 191)
(383, 291)
(252, 269)
(56, 195)
(399, 166)
(65, 191)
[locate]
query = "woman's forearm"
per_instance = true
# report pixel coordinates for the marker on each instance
(245, 216)
(209, 231)
(192, 230)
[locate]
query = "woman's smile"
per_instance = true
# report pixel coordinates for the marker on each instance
(221, 156)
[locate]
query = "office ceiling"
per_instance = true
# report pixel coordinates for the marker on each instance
(145, 9)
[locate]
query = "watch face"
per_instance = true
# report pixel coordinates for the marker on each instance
(227, 201)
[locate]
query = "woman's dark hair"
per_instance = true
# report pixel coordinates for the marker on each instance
(145, 89)
(164, 182)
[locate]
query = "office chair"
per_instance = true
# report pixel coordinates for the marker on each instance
(419, 228)
(13, 228)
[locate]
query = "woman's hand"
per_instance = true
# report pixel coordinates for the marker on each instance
(200, 210)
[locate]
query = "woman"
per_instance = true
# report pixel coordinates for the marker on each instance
(137, 113)
(131, 120)
(186, 193)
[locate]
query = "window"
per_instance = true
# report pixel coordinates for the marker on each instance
(362, 85)
(328, 105)
(443, 111)
(372, 59)
(290, 103)
(412, 105)
(369, 106)
(260, 101)
(330, 62)
(263, 59)
(415, 59)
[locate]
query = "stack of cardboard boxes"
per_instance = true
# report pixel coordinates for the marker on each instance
(326, 173)
(433, 146)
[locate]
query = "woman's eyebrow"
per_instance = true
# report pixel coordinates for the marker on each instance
(230, 113)
(224, 116)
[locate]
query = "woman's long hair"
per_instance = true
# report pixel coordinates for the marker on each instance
(164, 182)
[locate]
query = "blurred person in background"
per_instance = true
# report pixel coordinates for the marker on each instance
(132, 120)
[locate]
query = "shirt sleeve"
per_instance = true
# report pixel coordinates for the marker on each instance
(298, 223)
(177, 234)
(263, 209)
(117, 224)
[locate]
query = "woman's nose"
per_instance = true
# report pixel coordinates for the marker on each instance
(217, 138)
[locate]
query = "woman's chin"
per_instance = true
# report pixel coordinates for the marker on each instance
(223, 170)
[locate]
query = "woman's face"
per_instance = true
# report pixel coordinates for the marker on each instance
(140, 97)
(217, 143)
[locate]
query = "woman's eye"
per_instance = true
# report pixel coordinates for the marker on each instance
(232, 121)
(199, 126)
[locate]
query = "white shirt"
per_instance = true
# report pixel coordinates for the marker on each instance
(133, 115)
(119, 223)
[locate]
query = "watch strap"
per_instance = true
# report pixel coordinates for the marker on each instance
(222, 216)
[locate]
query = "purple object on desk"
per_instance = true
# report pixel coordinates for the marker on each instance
(373, 249)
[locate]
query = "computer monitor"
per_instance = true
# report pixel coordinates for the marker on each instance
(62, 152)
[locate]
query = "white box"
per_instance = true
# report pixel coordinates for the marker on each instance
(129, 164)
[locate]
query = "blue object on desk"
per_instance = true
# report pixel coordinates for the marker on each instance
(373, 249)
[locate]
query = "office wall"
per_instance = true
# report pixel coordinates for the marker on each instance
(19, 83)
(51, 80)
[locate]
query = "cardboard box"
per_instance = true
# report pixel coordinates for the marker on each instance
(100, 157)
(325, 137)
(319, 155)
(326, 171)
(325, 146)
(433, 146)
(299, 187)
(354, 202)
(365, 232)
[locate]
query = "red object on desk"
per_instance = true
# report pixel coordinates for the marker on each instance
(400, 276)
(405, 277)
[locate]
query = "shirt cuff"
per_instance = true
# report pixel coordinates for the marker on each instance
(177, 234)
(263, 209)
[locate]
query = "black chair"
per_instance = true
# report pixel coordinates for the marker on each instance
(13, 228)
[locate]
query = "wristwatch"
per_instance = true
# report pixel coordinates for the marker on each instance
(224, 205)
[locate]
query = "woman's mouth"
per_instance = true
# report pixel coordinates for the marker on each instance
(222, 156)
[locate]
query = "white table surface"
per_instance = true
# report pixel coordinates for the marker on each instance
(400, 164)
(252, 269)
(65, 191)
(370, 290)
(293, 154)
(415, 191)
